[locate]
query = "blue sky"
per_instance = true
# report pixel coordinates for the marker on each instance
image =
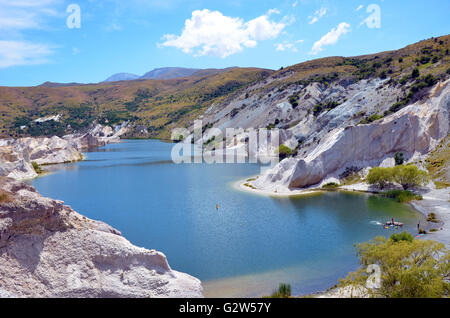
(135, 36)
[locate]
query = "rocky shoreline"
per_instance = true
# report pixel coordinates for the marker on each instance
(49, 250)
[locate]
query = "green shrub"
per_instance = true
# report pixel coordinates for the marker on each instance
(36, 167)
(399, 159)
(432, 218)
(284, 291)
(408, 269)
(284, 151)
(293, 100)
(404, 236)
(415, 73)
(330, 186)
(402, 196)
(409, 176)
(380, 176)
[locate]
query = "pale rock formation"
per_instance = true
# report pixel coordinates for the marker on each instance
(49, 250)
(17, 155)
(99, 136)
(414, 130)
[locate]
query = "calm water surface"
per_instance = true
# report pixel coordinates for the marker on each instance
(247, 247)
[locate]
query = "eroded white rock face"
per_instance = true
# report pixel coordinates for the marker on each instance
(49, 250)
(414, 130)
(17, 155)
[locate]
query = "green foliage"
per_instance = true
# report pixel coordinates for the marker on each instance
(371, 118)
(399, 158)
(330, 186)
(404, 236)
(380, 176)
(36, 167)
(284, 151)
(417, 268)
(284, 291)
(415, 73)
(402, 196)
(422, 231)
(46, 128)
(22, 121)
(318, 108)
(293, 100)
(432, 218)
(114, 117)
(424, 59)
(409, 176)
(423, 82)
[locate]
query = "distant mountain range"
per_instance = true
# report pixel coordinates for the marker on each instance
(163, 73)
(158, 73)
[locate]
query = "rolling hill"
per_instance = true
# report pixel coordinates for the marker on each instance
(155, 106)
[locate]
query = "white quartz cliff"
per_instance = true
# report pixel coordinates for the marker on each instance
(414, 130)
(49, 250)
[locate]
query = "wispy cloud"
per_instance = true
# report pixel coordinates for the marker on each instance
(331, 37)
(317, 15)
(360, 7)
(25, 14)
(13, 53)
(16, 17)
(212, 33)
(295, 3)
(287, 46)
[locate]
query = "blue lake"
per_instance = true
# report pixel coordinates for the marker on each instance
(247, 247)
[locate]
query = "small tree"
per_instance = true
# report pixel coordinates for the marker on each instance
(399, 159)
(284, 291)
(284, 151)
(379, 176)
(404, 236)
(417, 268)
(415, 73)
(409, 176)
(36, 167)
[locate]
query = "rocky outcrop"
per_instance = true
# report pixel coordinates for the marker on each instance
(98, 136)
(49, 250)
(414, 130)
(17, 155)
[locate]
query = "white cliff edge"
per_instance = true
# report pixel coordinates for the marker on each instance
(414, 130)
(49, 250)
(17, 155)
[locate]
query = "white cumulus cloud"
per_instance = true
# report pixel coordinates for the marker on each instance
(317, 15)
(331, 37)
(212, 33)
(14, 53)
